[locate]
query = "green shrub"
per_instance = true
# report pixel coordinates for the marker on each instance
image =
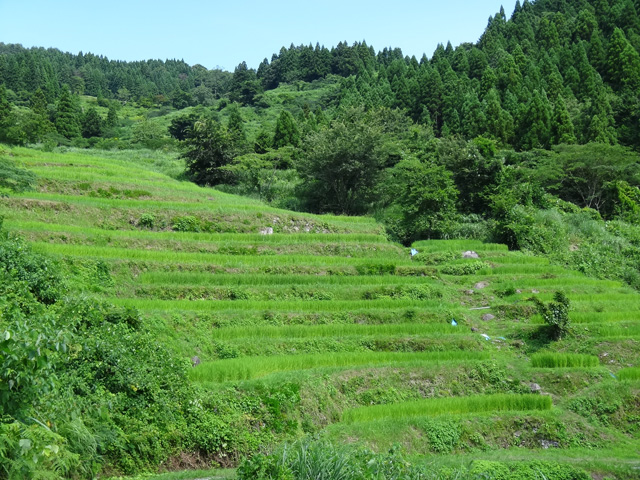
(40, 274)
(15, 178)
(147, 220)
(437, 258)
(555, 314)
(376, 269)
(188, 223)
(464, 268)
(413, 292)
(443, 434)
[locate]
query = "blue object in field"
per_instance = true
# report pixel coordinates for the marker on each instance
(613, 375)
(414, 252)
(453, 322)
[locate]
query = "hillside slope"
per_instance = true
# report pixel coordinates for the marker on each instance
(305, 324)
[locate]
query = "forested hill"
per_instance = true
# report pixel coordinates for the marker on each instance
(556, 71)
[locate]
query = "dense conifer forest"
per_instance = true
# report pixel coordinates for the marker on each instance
(344, 262)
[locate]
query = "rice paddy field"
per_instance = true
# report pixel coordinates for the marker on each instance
(362, 343)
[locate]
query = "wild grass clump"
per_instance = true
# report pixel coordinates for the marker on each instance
(248, 368)
(563, 360)
(310, 459)
(631, 373)
(448, 406)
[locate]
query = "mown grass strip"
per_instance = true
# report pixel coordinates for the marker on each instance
(353, 223)
(211, 258)
(588, 316)
(449, 406)
(316, 331)
(522, 282)
(618, 315)
(218, 238)
(257, 280)
(631, 373)
(503, 260)
(563, 360)
(249, 368)
(527, 270)
(429, 246)
(289, 306)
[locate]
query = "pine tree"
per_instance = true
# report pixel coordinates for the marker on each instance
(6, 117)
(5, 106)
(601, 123)
(91, 123)
(40, 124)
(623, 62)
(39, 103)
(287, 132)
(112, 116)
(499, 123)
(66, 121)
(562, 130)
(534, 123)
(473, 118)
(235, 129)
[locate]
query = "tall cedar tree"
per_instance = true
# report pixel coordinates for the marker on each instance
(67, 122)
(91, 123)
(287, 132)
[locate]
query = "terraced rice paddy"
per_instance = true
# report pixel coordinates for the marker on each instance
(366, 333)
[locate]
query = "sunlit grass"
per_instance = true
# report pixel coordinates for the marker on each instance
(221, 260)
(289, 306)
(563, 360)
(449, 406)
(429, 246)
(631, 373)
(248, 368)
(218, 238)
(315, 331)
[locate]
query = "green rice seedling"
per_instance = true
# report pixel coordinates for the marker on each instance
(462, 245)
(630, 305)
(449, 406)
(248, 368)
(625, 330)
(523, 270)
(433, 306)
(314, 331)
(586, 317)
(563, 360)
(528, 282)
(257, 279)
(631, 373)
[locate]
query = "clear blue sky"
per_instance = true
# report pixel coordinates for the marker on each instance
(214, 33)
